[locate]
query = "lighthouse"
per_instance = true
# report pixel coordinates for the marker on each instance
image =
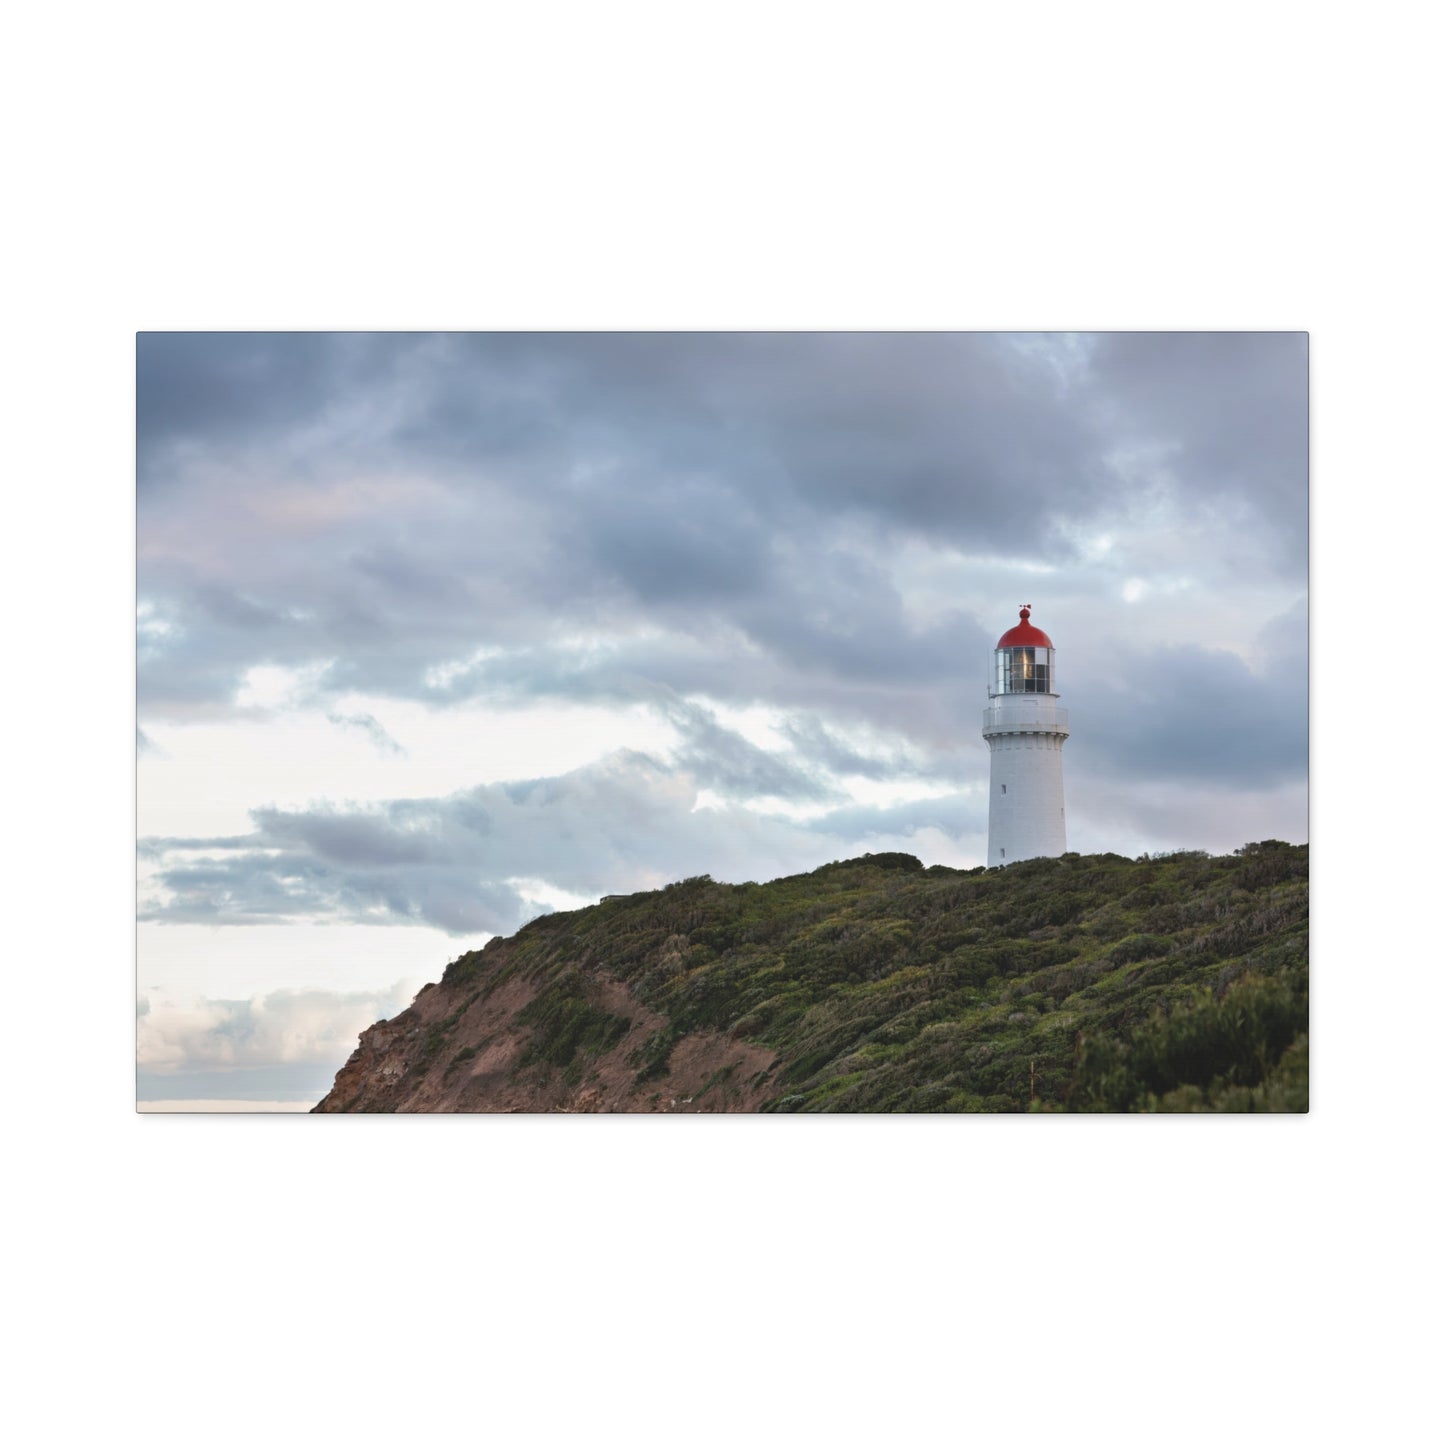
(1025, 729)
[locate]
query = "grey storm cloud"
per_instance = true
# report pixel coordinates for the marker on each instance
(662, 517)
(978, 435)
(956, 815)
(1184, 713)
(825, 749)
(628, 821)
(709, 441)
(1198, 715)
(721, 759)
(1228, 412)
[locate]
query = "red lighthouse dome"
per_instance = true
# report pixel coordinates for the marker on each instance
(1025, 634)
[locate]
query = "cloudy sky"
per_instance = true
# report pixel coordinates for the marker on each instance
(436, 632)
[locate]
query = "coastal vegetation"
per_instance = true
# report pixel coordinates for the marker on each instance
(1098, 983)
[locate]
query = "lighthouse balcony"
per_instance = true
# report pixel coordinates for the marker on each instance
(1025, 715)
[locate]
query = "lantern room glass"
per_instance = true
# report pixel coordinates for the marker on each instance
(1023, 669)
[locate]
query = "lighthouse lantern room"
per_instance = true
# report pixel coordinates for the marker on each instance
(1025, 729)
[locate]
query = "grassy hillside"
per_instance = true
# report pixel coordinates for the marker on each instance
(1095, 983)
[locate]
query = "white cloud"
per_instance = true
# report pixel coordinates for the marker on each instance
(291, 1026)
(180, 962)
(203, 778)
(276, 688)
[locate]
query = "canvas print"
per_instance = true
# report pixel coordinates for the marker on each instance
(695, 723)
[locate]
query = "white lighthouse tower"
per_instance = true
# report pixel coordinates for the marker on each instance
(1025, 729)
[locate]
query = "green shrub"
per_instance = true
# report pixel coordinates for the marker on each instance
(563, 1024)
(1123, 979)
(1200, 1052)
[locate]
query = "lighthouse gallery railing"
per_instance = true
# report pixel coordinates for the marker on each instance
(1056, 719)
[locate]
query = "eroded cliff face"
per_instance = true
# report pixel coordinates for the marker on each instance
(467, 1049)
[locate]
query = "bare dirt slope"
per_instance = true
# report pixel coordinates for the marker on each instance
(462, 1051)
